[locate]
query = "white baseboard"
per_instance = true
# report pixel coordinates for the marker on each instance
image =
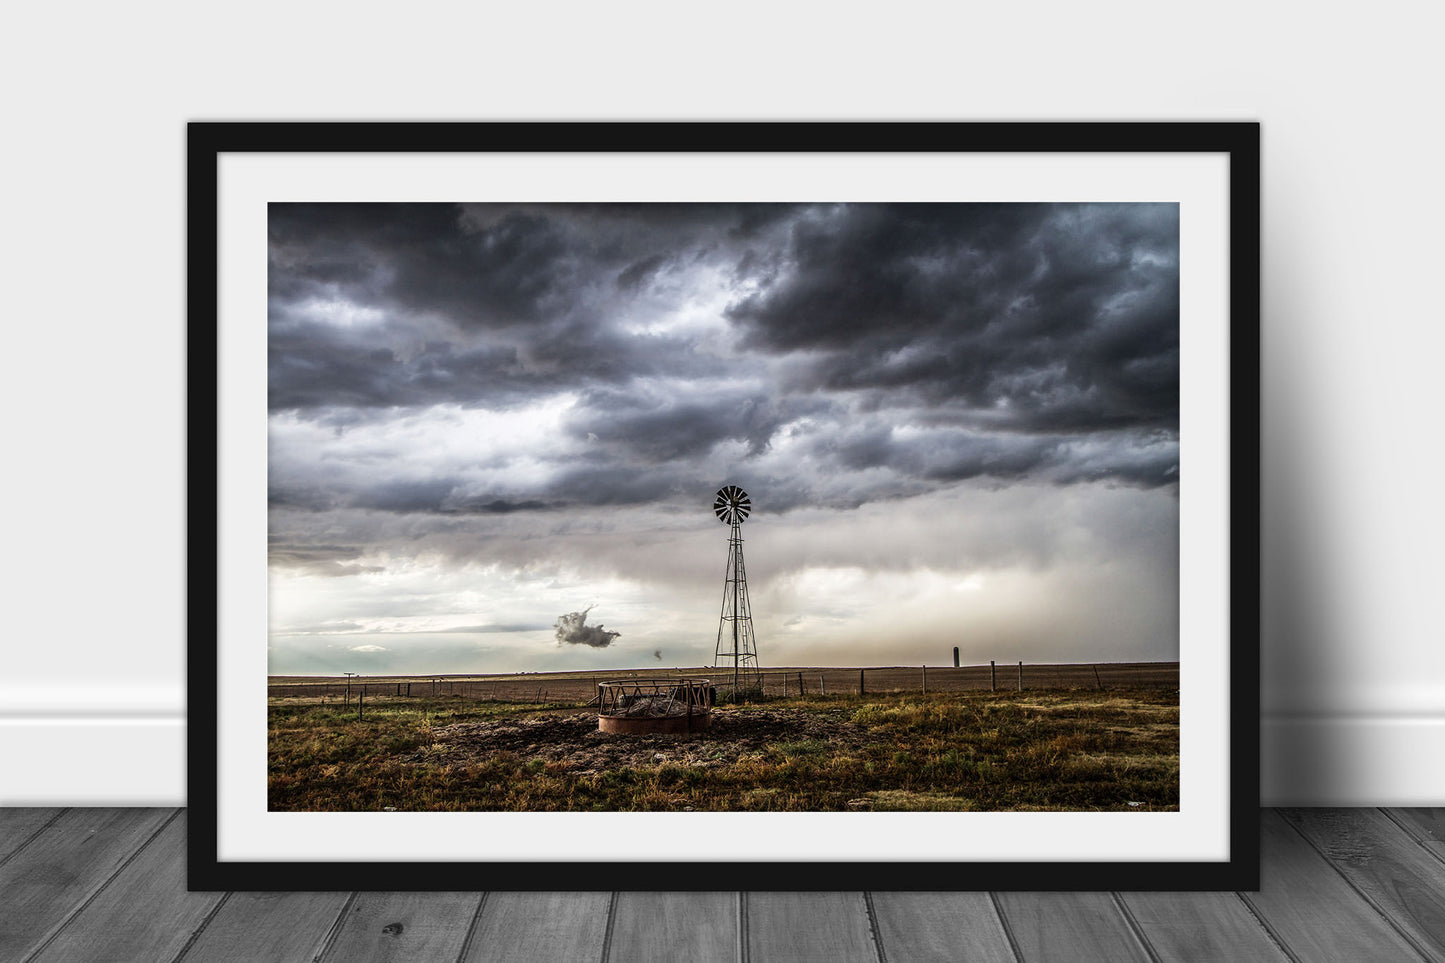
(1352, 760)
(141, 761)
(93, 761)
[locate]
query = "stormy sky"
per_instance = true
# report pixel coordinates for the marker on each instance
(494, 428)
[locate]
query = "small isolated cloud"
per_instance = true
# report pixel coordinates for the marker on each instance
(368, 648)
(572, 629)
(657, 654)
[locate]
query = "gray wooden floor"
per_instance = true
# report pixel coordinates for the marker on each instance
(109, 885)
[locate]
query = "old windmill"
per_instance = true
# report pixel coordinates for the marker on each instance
(736, 643)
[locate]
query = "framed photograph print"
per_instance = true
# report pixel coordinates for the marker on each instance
(746, 505)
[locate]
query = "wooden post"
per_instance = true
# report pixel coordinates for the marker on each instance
(860, 682)
(1096, 678)
(360, 699)
(925, 680)
(1021, 676)
(822, 686)
(992, 676)
(785, 685)
(398, 688)
(408, 690)
(955, 656)
(800, 685)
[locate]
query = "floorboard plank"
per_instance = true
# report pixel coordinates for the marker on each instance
(63, 866)
(268, 928)
(1070, 928)
(144, 913)
(1404, 882)
(809, 928)
(540, 928)
(1201, 926)
(18, 824)
(665, 927)
(86, 885)
(1427, 826)
(1311, 909)
(940, 928)
(404, 928)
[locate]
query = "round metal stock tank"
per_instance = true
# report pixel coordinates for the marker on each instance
(695, 721)
(654, 707)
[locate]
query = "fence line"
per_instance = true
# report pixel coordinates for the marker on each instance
(789, 683)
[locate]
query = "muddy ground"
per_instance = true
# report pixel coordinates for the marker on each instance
(568, 741)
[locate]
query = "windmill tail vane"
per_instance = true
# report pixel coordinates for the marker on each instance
(736, 642)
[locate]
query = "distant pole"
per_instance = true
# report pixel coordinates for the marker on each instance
(800, 684)
(348, 686)
(1096, 678)
(992, 676)
(822, 686)
(360, 698)
(860, 682)
(925, 680)
(955, 656)
(1021, 676)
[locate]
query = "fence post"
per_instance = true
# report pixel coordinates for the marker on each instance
(925, 680)
(1021, 676)
(822, 686)
(785, 685)
(800, 685)
(360, 699)
(1096, 677)
(860, 682)
(955, 656)
(992, 676)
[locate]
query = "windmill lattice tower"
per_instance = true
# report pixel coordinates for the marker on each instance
(736, 642)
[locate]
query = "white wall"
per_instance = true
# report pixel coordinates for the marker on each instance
(93, 664)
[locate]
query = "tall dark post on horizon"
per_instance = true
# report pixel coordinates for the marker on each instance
(735, 640)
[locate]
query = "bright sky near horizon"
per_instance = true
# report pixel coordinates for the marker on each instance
(958, 424)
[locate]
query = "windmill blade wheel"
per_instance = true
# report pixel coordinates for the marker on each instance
(732, 505)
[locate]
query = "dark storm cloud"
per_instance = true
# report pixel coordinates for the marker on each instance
(901, 347)
(470, 305)
(1065, 316)
(419, 258)
(659, 425)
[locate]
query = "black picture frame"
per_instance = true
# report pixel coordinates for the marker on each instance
(209, 142)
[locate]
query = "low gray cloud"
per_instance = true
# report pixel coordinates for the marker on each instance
(572, 629)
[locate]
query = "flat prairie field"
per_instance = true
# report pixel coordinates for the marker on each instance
(1102, 747)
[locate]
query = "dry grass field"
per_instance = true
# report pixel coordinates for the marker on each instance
(527, 743)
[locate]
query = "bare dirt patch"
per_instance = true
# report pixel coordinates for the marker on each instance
(569, 742)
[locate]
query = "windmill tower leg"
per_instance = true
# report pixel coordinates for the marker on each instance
(737, 551)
